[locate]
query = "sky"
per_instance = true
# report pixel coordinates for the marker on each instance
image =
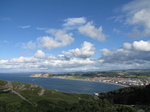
(74, 35)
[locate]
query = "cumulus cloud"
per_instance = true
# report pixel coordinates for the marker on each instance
(51, 64)
(59, 38)
(137, 52)
(87, 50)
(138, 14)
(127, 46)
(23, 60)
(129, 56)
(105, 52)
(29, 45)
(91, 31)
(61, 35)
(71, 23)
(3, 61)
(65, 64)
(39, 54)
(47, 42)
(141, 45)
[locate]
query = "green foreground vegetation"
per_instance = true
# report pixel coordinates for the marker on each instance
(21, 97)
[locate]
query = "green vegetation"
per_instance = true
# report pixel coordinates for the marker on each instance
(21, 97)
(121, 73)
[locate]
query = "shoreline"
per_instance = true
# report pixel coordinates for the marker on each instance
(94, 81)
(123, 85)
(105, 82)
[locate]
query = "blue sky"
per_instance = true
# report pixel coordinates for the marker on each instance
(74, 35)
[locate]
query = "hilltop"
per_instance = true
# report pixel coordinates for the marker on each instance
(45, 75)
(21, 97)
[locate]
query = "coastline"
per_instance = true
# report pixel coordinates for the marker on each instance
(95, 81)
(123, 85)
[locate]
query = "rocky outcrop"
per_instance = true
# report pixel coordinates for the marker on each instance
(45, 75)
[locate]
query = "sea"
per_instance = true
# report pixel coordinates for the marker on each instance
(62, 85)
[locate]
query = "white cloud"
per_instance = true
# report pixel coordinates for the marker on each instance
(23, 60)
(138, 14)
(29, 45)
(91, 31)
(5, 19)
(28, 26)
(40, 28)
(67, 65)
(106, 52)
(127, 46)
(47, 42)
(141, 45)
(115, 30)
(71, 23)
(5, 41)
(60, 39)
(87, 50)
(61, 35)
(40, 54)
(137, 52)
(3, 61)
(129, 56)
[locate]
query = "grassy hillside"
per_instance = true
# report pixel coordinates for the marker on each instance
(15, 96)
(21, 97)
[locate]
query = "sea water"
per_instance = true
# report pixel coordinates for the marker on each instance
(63, 85)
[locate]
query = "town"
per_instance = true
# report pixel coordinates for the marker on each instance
(113, 80)
(123, 81)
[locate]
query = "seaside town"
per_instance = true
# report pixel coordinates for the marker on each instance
(123, 81)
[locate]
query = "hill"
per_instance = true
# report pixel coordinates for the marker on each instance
(21, 97)
(45, 75)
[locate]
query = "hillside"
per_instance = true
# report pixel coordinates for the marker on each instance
(21, 97)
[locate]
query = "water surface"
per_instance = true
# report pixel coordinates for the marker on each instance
(63, 85)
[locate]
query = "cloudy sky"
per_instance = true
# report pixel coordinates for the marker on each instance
(74, 35)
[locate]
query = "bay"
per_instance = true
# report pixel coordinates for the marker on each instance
(63, 85)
